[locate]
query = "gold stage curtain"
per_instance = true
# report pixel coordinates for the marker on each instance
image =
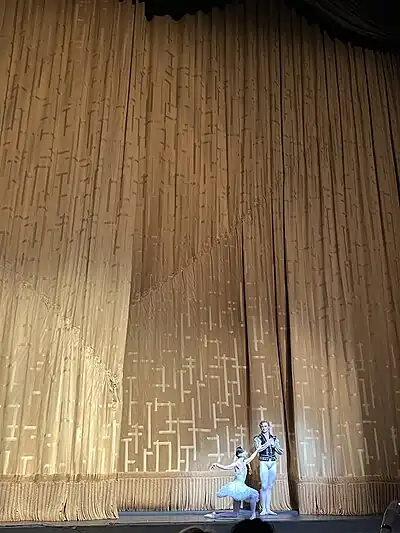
(67, 210)
(199, 229)
(265, 275)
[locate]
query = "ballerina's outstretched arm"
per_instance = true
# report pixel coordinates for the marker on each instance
(232, 466)
(254, 454)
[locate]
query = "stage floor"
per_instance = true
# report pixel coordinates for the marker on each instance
(173, 522)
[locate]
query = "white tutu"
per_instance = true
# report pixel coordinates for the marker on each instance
(238, 490)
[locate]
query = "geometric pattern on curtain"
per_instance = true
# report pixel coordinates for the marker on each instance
(199, 229)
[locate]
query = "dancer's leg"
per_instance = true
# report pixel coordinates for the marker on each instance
(264, 474)
(270, 484)
(236, 506)
(253, 503)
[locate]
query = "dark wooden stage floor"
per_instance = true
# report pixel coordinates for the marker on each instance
(173, 522)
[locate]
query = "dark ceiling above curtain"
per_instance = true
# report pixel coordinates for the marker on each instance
(177, 9)
(368, 23)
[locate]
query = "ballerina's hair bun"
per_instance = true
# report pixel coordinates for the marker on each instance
(239, 451)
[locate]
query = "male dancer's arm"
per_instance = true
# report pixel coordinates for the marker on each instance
(277, 446)
(257, 442)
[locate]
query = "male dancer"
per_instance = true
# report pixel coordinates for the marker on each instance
(268, 458)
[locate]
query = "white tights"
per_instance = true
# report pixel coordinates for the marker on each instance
(267, 477)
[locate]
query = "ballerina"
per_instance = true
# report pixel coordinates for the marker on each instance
(237, 489)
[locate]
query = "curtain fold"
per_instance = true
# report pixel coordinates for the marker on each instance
(67, 213)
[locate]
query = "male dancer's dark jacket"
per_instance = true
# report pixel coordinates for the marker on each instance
(271, 451)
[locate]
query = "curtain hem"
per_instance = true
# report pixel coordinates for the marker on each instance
(184, 491)
(55, 500)
(359, 496)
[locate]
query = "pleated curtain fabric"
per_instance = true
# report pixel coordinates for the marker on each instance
(199, 228)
